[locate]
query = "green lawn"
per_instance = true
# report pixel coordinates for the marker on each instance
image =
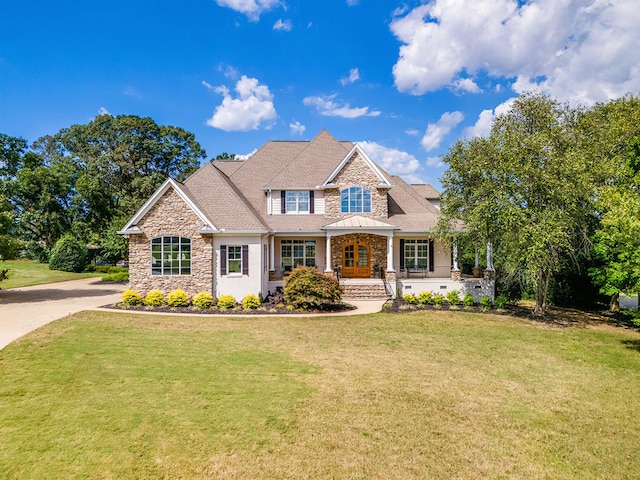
(435, 395)
(24, 273)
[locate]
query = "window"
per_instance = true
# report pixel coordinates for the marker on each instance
(234, 259)
(298, 252)
(416, 253)
(171, 256)
(297, 202)
(355, 200)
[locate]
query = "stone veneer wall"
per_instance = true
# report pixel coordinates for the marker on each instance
(356, 173)
(171, 216)
(377, 249)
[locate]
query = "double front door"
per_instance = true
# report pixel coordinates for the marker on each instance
(355, 260)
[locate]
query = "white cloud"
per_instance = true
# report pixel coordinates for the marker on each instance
(482, 127)
(466, 85)
(297, 128)
(251, 8)
(436, 132)
(353, 3)
(208, 86)
(354, 76)
(573, 50)
(131, 92)
(327, 107)
(103, 111)
(435, 162)
(413, 132)
(251, 109)
(394, 161)
(246, 155)
(282, 25)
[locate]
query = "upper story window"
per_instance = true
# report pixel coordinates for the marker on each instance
(297, 202)
(171, 256)
(355, 200)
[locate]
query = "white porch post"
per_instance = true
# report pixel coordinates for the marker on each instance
(489, 255)
(272, 253)
(390, 253)
(327, 267)
(455, 255)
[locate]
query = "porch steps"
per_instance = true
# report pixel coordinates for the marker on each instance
(366, 289)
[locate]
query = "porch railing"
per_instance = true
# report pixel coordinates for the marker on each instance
(422, 272)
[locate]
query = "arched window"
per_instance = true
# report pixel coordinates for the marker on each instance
(171, 256)
(355, 200)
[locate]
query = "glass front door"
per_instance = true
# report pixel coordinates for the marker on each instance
(355, 261)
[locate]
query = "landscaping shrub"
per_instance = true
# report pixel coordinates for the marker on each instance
(116, 277)
(468, 300)
(501, 302)
(226, 301)
(453, 297)
(486, 304)
(202, 300)
(250, 302)
(438, 300)
(131, 298)
(178, 298)
(409, 298)
(425, 298)
(307, 288)
(68, 255)
(154, 298)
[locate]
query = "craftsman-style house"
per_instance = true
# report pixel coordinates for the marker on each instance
(239, 227)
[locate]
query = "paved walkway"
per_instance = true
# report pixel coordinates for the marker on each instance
(23, 310)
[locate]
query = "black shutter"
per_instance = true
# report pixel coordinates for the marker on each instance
(312, 206)
(223, 259)
(431, 259)
(283, 201)
(245, 259)
(402, 253)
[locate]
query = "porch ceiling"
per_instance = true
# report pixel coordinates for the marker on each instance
(358, 221)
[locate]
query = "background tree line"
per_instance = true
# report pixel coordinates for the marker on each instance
(556, 190)
(86, 181)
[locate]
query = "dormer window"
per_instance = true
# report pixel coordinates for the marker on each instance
(355, 200)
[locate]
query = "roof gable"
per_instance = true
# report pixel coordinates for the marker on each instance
(131, 226)
(384, 182)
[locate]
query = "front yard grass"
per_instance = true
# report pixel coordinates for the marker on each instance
(415, 395)
(25, 273)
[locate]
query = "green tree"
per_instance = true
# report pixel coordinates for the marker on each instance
(611, 134)
(68, 255)
(524, 188)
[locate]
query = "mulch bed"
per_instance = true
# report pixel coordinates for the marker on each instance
(265, 309)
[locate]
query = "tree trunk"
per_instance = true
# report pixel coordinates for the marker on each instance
(542, 288)
(614, 305)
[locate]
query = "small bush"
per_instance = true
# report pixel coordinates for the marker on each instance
(117, 269)
(202, 300)
(89, 268)
(68, 255)
(307, 288)
(425, 298)
(486, 303)
(102, 268)
(226, 301)
(438, 300)
(453, 297)
(409, 298)
(501, 302)
(250, 302)
(178, 298)
(116, 277)
(468, 300)
(154, 298)
(131, 298)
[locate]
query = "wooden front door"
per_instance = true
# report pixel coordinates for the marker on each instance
(355, 261)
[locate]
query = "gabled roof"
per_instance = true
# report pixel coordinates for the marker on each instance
(311, 165)
(425, 190)
(384, 183)
(131, 228)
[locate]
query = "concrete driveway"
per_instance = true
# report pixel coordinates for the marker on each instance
(25, 309)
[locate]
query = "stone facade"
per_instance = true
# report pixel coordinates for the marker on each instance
(356, 173)
(170, 216)
(377, 249)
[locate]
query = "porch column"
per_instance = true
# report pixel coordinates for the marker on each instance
(489, 256)
(390, 253)
(327, 267)
(455, 255)
(272, 254)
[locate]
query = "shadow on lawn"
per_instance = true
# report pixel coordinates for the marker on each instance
(632, 344)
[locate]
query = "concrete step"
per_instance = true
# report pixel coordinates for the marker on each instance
(364, 291)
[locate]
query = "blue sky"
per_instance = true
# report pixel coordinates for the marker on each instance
(405, 78)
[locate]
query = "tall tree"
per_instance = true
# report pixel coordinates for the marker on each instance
(524, 189)
(611, 134)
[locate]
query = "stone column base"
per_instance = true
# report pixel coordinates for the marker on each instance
(489, 274)
(456, 275)
(390, 275)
